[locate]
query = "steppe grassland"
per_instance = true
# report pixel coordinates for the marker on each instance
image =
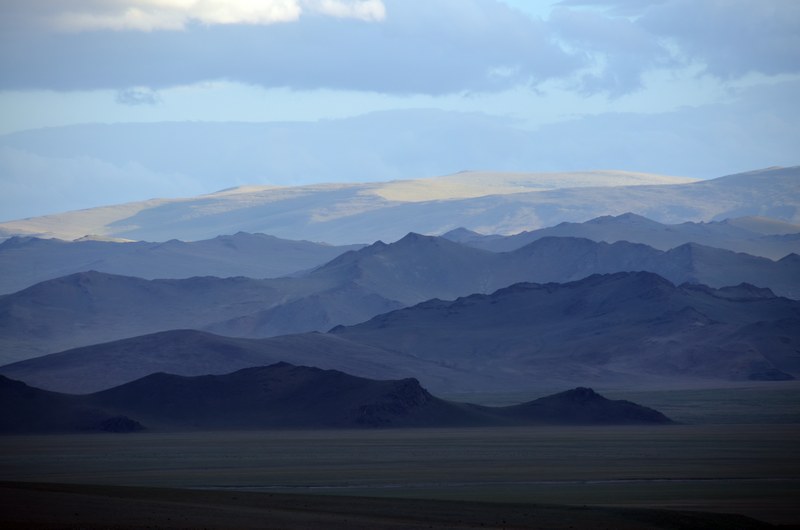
(660, 465)
(709, 462)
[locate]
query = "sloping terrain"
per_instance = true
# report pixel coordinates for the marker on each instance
(757, 236)
(286, 396)
(347, 302)
(30, 410)
(496, 203)
(92, 307)
(624, 328)
(26, 261)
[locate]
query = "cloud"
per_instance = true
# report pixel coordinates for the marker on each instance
(430, 47)
(625, 39)
(616, 7)
(389, 46)
(622, 50)
(172, 15)
(369, 10)
(137, 96)
(731, 38)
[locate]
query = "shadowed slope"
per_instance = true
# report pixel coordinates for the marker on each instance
(618, 328)
(29, 409)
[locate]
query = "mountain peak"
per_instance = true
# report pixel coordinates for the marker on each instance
(581, 393)
(627, 218)
(413, 238)
(461, 234)
(584, 405)
(745, 291)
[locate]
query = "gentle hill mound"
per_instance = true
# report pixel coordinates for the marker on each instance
(493, 202)
(585, 406)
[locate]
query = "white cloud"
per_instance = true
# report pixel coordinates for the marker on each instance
(368, 10)
(154, 15)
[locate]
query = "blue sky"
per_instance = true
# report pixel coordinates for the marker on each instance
(678, 71)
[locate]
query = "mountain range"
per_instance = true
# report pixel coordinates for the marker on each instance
(617, 330)
(758, 236)
(285, 396)
(25, 261)
(503, 203)
(618, 300)
(623, 328)
(85, 308)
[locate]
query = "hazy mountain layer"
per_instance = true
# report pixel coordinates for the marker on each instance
(625, 329)
(757, 236)
(619, 328)
(26, 261)
(286, 396)
(488, 203)
(417, 267)
(90, 308)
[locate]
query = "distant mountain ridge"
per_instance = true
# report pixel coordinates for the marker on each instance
(283, 396)
(85, 308)
(26, 261)
(622, 329)
(757, 236)
(29, 260)
(486, 202)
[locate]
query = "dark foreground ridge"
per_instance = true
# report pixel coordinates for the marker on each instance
(88, 506)
(283, 396)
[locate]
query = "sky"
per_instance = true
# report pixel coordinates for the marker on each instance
(353, 90)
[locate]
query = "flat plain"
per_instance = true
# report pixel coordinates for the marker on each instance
(752, 470)
(735, 450)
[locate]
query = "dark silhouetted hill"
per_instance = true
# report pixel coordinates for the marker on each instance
(283, 396)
